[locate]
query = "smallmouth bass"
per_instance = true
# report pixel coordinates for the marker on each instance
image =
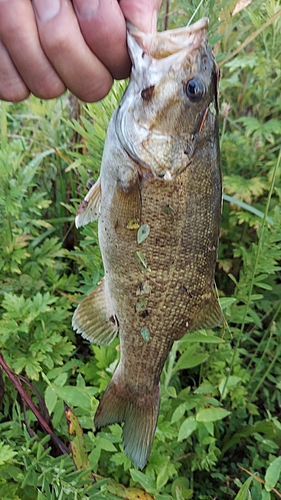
(158, 204)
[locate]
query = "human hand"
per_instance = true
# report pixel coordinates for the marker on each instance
(47, 46)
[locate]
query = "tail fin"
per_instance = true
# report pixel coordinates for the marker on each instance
(139, 412)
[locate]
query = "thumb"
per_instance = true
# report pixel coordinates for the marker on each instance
(141, 13)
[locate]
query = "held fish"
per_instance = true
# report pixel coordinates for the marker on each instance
(158, 204)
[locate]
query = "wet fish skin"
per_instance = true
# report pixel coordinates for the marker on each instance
(160, 167)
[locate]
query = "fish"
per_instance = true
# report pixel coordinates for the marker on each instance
(158, 204)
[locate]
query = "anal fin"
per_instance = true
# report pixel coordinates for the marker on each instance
(93, 318)
(88, 210)
(209, 314)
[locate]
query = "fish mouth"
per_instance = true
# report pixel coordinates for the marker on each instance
(160, 45)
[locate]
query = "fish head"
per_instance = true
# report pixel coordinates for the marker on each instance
(172, 91)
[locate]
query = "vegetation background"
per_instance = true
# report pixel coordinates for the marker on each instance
(219, 430)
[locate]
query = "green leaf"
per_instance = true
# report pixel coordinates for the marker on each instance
(143, 233)
(104, 444)
(6, 453)
(211, 414)
(162, 477)
(201, 337)
(187, 361)
(243, 492)
(145, 333)
(272, 474)
(187, 428)
(227, 301)
(171, 391)
(74, 396)
(146, 482)
(50, 398)
(142, 261)
(245, 206)
(178, 413)
(141, 304)
(265, 495)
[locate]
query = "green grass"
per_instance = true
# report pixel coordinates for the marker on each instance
(218, 434)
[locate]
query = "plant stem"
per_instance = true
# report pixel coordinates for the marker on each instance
(251, 37)
(166, 18)
(265, 375)
(254, 269)
(4, 125)
(32, 406)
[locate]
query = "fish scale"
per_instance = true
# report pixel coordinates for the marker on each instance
(160, 169)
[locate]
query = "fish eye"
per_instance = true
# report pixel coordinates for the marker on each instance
(194, 89)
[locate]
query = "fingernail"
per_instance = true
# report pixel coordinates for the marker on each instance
(46, 9)
(86, 8)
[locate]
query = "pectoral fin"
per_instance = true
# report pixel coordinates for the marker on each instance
(126, 206)
(209, 314)
(88, 210)
(93, 318)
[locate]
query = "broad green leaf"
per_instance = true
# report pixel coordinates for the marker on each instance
(50, 398)
(187, 427)
(61, 379)
(104, 444)
(211, 414)
(162, 477)
(94, 457)
(201, 337)
(210, 427)
(143, 233)
(243, 492)
(171, 391)
(178, 413)
(272, 474)
(73, 396)
(145, 333)
(187, 361)
(226, 302)
(146, 482)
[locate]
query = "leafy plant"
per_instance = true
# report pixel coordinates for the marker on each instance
(218, 433)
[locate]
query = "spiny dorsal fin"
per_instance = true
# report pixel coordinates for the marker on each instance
(93, 319)
(209, 315)
(88, 210)
(139, 411)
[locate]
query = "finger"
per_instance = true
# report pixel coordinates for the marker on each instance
(12, 87)
(18, 32)
(103, 26)
(141, 13)
(63, 43)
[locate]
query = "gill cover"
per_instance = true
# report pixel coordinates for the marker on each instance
(150, 121)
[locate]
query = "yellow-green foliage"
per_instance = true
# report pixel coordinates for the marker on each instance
(220, 405)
